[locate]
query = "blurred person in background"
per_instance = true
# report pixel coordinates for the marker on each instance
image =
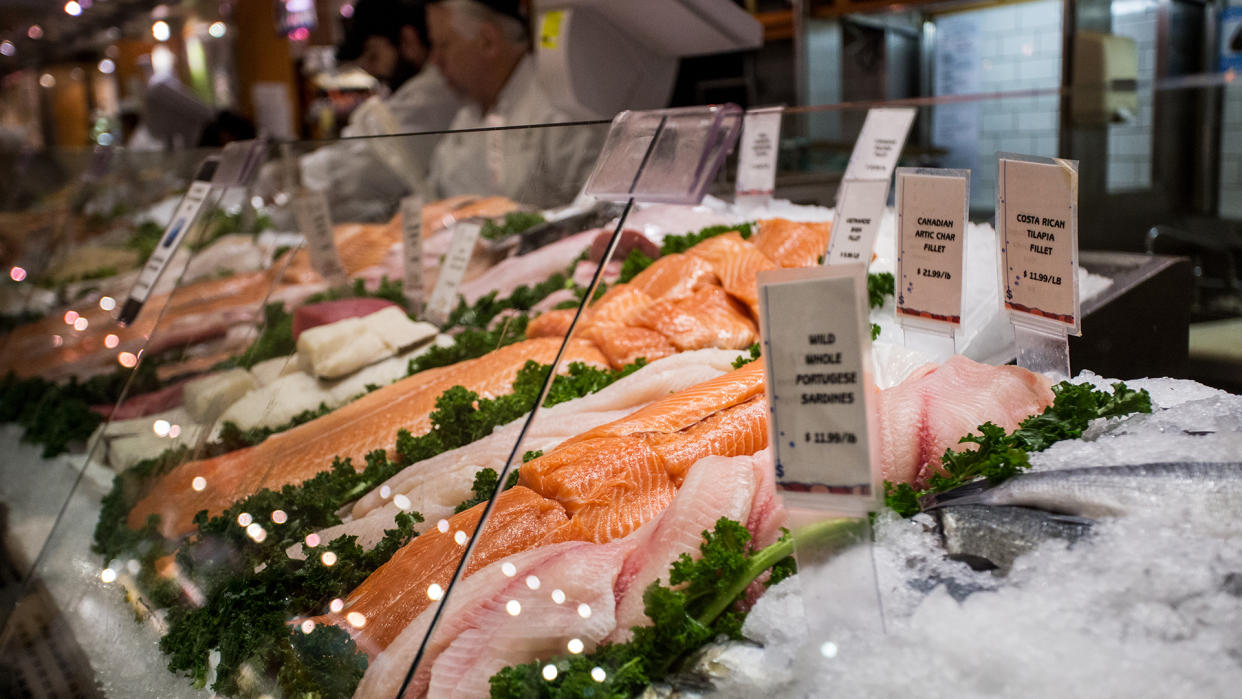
(483, 49)
(388, 39)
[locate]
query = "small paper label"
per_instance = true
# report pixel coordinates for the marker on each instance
(1037, 209)
(756, 168)
(931, 231)
(315, 221)
(182, 222)
(816, 342)
(444, 296)
(412, 250)
(550, 29)
(860, 208)
(879, 143)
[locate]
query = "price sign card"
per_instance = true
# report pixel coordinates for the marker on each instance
(1037, 212)
(412, 250)
(310, 209)
(860, 208)
(182, 223)
(756, 165)
(444, 295)
(932, 209)
(816, 352)
(879, 143)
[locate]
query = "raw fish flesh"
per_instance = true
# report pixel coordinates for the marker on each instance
(737, 262)
(708, 318)
(932, 409)
(352, 431)
(398, 591)
(793, 243)
(323, 313)
(715, 487)
(675, 277)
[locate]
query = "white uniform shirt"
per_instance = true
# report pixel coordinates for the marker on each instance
(358, 183)
(541, 166)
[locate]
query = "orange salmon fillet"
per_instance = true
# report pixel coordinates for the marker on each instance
(352, 431)
(736, 262)
(675, 276)
(793, 243)
(708, 318)
(397, 592)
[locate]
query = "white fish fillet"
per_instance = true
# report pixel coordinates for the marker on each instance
(279, 401)
(387, 670)
(715, 487)
(543, 627)
(538, 265)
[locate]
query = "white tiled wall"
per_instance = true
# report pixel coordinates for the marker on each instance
(1130, 144)
(1017, 47)
(1231, 149)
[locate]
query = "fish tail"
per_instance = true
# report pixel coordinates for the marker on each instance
(969, 494)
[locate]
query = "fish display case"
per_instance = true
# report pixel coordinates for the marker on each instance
(349, 469)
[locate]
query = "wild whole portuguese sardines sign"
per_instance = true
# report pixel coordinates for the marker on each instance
(816, 346)
(1037, 211)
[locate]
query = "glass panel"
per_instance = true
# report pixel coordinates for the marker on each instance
(622, 469)
(257, 469)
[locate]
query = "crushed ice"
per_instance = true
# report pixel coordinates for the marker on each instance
(1144, 607)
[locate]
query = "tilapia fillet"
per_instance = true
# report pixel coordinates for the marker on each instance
(352, 431)
(937, 405)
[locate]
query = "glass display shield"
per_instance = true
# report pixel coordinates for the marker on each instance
(651, 441)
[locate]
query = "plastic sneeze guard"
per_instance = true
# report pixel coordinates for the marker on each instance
(666, 155)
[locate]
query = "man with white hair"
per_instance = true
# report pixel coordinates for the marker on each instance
(482, 48)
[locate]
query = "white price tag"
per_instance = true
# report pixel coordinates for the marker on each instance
(310, 209)
(444, 296)
(1037, 211)
(816, 347)
(860, 208)
(756, 167)
(931, 229)
(879, 143)
(181, 224)
(412, 250)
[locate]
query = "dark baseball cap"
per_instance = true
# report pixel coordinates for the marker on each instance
(381, 18)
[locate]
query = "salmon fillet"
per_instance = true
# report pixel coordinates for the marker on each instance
(624, 345)
(793, 243)
(741, 429)
(398, 591)
(686, 408)
(736, 262)
(675, 276)
(352, 431)
(707, 318)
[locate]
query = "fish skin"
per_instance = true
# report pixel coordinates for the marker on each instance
(793, 243)
(392, 596)
(987, 537)
(1212, 489)
(352, 431)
